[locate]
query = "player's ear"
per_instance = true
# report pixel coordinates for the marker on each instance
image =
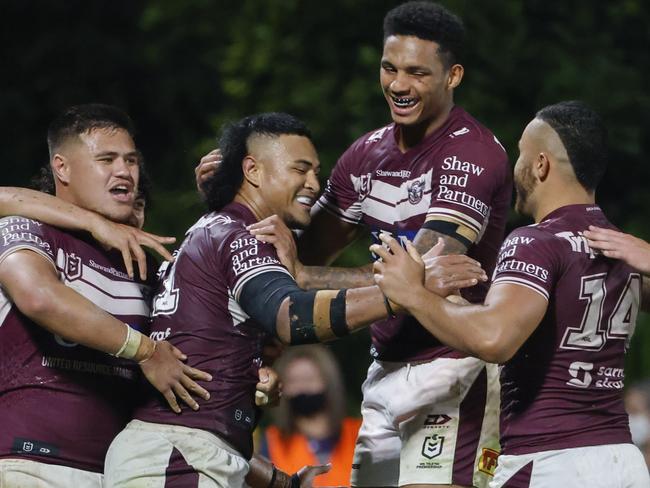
(455, 76)
(542, 166)
(251, 169)
(60, 168)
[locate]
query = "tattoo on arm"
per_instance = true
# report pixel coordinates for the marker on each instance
(334, 278)
(427, 238)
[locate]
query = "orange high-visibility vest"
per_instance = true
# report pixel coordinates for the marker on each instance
(292, 453)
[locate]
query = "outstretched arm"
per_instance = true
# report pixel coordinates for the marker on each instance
(33, 285)
(263, 474)
(493, 331)
(59, 213)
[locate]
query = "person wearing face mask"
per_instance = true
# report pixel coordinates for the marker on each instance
(310, 426)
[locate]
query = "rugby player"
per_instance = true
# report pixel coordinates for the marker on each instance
(64, 303)
(429, 412)
(223, 295)
(558, 316)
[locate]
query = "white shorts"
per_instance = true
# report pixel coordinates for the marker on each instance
(23, 473)
(151, 455)
(428, 423)
(608, 466)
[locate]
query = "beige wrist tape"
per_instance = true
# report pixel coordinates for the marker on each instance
(130, 345)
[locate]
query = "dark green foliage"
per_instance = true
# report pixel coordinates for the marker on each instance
(183, 68)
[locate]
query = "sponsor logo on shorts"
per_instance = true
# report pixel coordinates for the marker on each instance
(487, 463)
(31, 446)
(436, 419)
(432, 446)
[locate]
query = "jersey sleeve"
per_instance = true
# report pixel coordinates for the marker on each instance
(18, 233)
(243, 258)
(528, 258)
(463, 184)
(342, 193)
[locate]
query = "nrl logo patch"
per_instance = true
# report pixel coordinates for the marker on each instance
(365, 185)
(432, 446)
(72, 266)
(415, 191)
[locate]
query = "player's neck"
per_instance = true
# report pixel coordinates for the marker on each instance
(571, 196)
(412, 135)
(257, 207)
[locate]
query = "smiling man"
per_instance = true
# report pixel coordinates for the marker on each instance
(435, 172)
(225, 293)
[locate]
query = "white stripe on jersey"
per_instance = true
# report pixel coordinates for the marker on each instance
(456, 216)
(236, 312)
(5, 306)
(252, 273)
(520, 281)
(114, 296)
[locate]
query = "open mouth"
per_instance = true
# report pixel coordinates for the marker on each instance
(404, 102)
(121, 193)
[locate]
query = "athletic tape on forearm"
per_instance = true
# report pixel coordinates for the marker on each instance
(130, 345)
(461, 233)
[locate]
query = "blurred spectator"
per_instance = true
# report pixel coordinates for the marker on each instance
(310, 426)
(637, 404)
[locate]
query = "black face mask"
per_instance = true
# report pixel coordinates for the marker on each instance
(307, 404)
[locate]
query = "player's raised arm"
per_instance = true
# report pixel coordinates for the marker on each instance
(493, 331)
(32, 283)
(60, 213)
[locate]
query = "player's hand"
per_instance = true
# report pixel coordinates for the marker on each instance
(618, 245)
(206, 168)
(308, 473)
(167, 372)
(269, 389)
(129, 241)
(274, 231)
(398, 271)
(445, 275)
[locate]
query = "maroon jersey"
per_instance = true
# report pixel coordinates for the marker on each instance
(62, 403)
(197, 310)
(563, 387)
(457, 174)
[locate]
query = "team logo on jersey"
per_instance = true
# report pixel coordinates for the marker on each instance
(415, 191)
(432, 446)
(73, 266)
(377, 135)
(365, 185)
(487, 463)
(439, 419)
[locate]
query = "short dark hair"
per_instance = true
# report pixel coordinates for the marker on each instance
(431, 22)
(584, 136)
(80, 119)
(222, 187)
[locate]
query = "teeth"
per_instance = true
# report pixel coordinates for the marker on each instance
(305, 200)
(404, 102)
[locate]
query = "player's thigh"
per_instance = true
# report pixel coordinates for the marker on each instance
(23, 473)
(377, 450)
(607, 466)
(165, 455)
(452, 436)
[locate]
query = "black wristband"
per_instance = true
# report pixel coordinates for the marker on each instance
(389, 309)
(273, 476)
(295, 481)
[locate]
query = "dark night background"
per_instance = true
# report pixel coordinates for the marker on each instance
(183, 68)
